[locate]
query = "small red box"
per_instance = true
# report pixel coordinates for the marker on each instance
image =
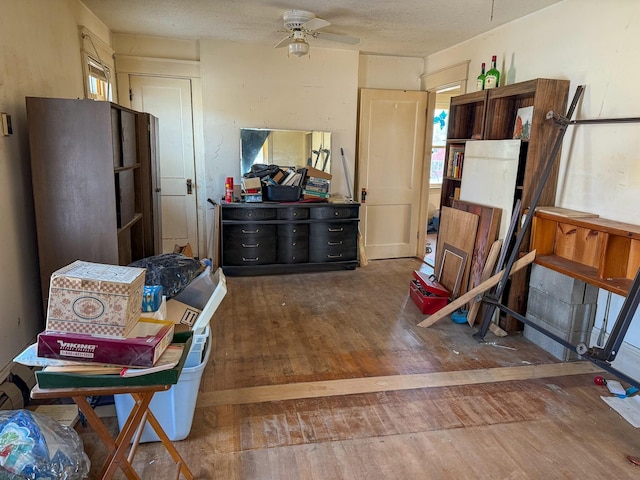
(427, 294)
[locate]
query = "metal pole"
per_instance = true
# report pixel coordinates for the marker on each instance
(498, 290)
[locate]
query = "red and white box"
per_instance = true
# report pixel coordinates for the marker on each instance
(95, 299)
(427, 293)
(141, 348)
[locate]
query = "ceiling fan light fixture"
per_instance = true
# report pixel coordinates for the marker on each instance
(298, 47)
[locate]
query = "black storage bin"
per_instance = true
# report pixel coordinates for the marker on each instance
(281, 193)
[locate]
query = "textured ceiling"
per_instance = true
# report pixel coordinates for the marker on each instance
(387, 27)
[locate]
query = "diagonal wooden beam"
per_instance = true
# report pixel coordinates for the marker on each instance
(483, 287)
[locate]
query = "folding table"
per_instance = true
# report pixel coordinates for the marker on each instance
(142, 389)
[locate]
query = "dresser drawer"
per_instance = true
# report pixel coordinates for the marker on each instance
(332, 230)
(256, 251)
(293, 250)
(293, 213)
(248, 230)
(297, 230)
(231, 213)
(333, 252)
(334, 211)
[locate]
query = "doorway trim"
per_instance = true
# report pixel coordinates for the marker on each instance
(188, 69)
(432, 82)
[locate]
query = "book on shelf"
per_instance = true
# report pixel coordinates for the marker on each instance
(454, 165)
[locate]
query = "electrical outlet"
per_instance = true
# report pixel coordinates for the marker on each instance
(7, 129)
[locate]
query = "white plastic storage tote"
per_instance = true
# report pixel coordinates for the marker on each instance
(173, 408)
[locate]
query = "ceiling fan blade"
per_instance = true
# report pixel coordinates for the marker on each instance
(284, 42)
(315, 24)
(334, 37)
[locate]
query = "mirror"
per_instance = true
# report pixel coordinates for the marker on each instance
(285, 148)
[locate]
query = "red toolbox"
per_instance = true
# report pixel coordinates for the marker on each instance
(427, 294)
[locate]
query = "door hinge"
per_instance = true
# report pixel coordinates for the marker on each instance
(130, 95)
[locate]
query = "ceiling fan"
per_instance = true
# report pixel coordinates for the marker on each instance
(299, 24)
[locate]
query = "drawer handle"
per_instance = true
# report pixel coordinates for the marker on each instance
(336, 229)
(335, 243)
(334, 256)
(257, 230)
(250, 245)
(250, 214)
(244, 259)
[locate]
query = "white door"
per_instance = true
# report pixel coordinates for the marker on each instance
(390, 164)
(169, 99)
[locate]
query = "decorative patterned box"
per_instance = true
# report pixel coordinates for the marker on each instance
(95, 298)
(141, 348)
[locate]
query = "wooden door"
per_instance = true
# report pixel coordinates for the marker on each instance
(169, 99)
(390, 165)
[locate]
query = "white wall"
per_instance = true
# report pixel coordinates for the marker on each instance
(393, 73)
(40, 56)
(261, 87)
(594, 44)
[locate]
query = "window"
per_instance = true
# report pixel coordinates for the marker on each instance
(97, 67)
(440, 121)
(99, 81)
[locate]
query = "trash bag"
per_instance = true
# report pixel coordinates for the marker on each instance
(173, 271)
(36, 447)
(260, 170)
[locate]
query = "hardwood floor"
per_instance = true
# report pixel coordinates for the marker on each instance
(327, 376)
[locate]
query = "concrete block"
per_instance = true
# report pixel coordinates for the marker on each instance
(564, 316)
(548, 344)
(563, 287)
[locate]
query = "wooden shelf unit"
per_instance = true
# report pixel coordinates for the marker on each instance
(93, 173)
(466, 122)
(601, 252)
(491, 115)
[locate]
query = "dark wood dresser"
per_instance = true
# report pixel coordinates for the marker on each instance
(270, 238)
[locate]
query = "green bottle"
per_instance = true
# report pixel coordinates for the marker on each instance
(480, 84)
(492, 78)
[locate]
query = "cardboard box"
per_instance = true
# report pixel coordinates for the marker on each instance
(251, 183)
(141, 348)
(205, 292)
(181, 314)
(95, 299)
(314, 172)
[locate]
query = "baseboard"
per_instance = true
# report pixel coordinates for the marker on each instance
(628, 359)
